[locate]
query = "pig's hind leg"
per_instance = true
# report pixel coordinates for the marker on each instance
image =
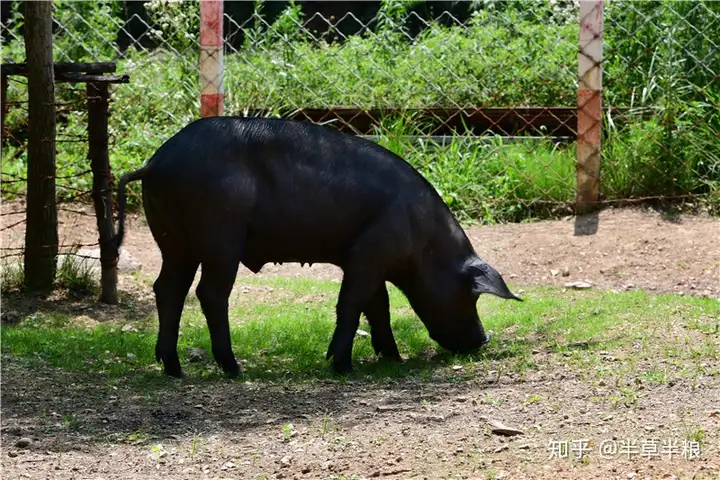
(171, 288)
(213, 291)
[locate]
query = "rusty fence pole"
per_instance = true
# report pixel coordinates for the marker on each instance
(211, 58)
(97, 104)
(589, 100)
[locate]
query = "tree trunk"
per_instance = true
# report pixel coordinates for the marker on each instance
(97, 98)
(41, 234)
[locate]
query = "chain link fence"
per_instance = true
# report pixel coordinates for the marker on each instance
(662, 127)
(480, 96)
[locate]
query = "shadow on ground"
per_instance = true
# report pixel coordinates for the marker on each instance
(133, 306)
(64, 409)
(587, 224)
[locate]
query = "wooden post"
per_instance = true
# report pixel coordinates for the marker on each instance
(41, 234)
(589, 104)
(97, 100)
(211, 58)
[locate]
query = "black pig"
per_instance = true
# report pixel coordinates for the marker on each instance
(226, 190)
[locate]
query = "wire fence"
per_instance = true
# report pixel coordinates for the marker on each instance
(482, 97)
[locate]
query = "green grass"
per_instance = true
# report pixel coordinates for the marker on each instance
(285, 338)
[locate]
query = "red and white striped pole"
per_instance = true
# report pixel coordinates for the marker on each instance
(589, 104)
(211, 58)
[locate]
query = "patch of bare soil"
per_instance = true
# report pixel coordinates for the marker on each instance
(86, 427)
(615, 249)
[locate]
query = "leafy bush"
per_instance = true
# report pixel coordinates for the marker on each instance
(481, 65)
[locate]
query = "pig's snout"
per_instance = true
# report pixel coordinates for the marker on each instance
(463, 342)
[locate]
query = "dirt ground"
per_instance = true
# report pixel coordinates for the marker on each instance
(85, 427)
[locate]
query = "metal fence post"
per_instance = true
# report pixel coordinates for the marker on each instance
(589, 104)
(211, 58)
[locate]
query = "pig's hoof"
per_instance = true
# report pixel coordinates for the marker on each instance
(171, 366)
(340, 356)
(174, 372)
(391, 354)
(232, 371)
(392, 357)
(342, 367)
(385, 349)
(229, 365)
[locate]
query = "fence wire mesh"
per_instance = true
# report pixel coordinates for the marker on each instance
(662, 67)
(480, 96)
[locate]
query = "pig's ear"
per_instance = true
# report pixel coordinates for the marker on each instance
(485, 279)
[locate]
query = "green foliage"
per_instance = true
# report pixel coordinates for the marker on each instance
(548, 12)
(12, 277)
(288, 26)
(489, 180)
(654, 51)
(675, 153)
(13, 49)
(392, 15)
(176, 24)
(434, 70)
(85, 31)
(75, 274)
(506, 55)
